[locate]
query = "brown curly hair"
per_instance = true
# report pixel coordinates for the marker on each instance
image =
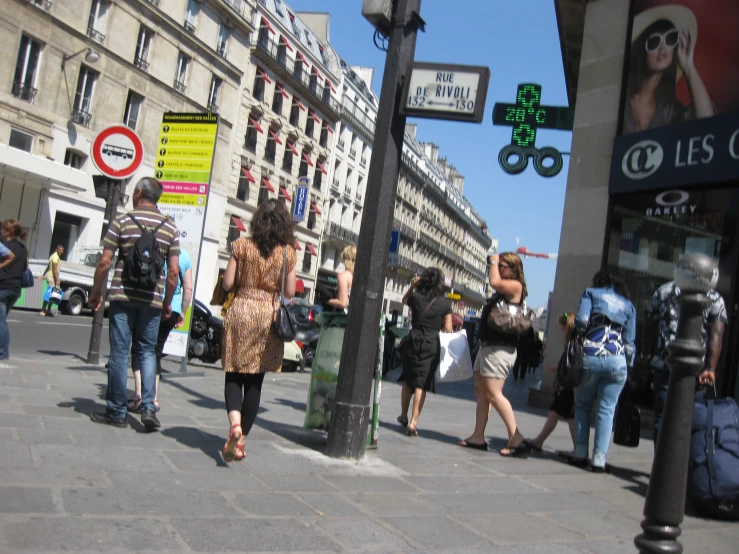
(271, 226)
(12, 229)
(516, 264)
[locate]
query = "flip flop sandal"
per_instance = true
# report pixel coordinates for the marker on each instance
(229, 451)
(520, 451)
(403, 421)
(535, 448)
(240, 450)
(412, 432)
(465, 444)
(135, 404)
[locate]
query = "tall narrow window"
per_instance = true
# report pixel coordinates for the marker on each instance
(311, 218)
(242, 191)
(233, 234)
(295, 113)
(307, 261)
(193, 7)
(270, 151)
(180, 76)
(263, 194)
(313, 83)
(259, 81)
(214, 93)
(323, 140)
(287, 160)
(74, 159)
(251, 138)
(97, 21)
(223, 34)
(26, 69)
(133, 107)
(83, 96)
(263, 36)
(303, 170)
(310, 124)
(143, 45)
(277, 99)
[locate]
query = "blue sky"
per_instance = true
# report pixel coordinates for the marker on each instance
(520, 45)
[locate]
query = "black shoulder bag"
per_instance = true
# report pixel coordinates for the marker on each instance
(285, 323)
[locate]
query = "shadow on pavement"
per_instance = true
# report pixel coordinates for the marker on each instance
(200, 400)
(87, 407)
(60, 353)
(315, 440)
(196, 439)
(300, 406)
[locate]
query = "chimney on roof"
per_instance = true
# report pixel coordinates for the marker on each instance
(411, 128)
(318, 23)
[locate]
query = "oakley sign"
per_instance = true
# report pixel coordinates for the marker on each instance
(642, 160)
(672, 203)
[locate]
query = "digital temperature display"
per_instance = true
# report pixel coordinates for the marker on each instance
(527, 115)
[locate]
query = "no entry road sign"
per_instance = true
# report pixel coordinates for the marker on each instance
(117, 152)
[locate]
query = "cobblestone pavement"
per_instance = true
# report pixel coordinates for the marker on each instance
(69, 485)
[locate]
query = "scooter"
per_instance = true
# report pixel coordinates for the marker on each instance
(205, 335)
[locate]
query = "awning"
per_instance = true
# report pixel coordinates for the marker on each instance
(329, 129)
(323, 169)
(267, 185)
(315, 208)
(315, 117)
(302, 58)
(256, 125)
(291, 146)
(300, 104)
(283, 91)
(248, 175)
(311, 249)
(238, 223)
(265, 76)
(41, 172)
(297, 245)
(266, 24)
(299, 286)
(286, 43)
(284, 192)
(275, 136)
(330, 85)
(318, 74)
(306, 157)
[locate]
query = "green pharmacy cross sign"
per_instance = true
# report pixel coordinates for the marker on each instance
(526, 116)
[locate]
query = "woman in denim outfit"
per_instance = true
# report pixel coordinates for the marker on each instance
(606, 319)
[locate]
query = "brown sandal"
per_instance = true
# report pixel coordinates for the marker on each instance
(229, 451)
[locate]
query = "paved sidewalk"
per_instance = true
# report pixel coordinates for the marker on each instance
(69, 485)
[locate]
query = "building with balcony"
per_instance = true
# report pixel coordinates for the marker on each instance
(68, 76)
(284, 134)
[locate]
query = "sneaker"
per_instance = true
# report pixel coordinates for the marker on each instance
(150, 420)
(105, 418)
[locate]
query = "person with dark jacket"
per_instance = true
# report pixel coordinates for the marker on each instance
(11, 269)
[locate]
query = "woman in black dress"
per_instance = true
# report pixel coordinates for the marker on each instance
(430, 313)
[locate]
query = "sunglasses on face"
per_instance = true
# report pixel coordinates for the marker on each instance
(656, 40)
(503, 266)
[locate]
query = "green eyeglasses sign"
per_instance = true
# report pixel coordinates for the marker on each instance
(526, 116)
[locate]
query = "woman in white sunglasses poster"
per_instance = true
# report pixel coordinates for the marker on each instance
(682, 64)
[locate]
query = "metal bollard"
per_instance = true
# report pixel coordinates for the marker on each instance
(664, 507)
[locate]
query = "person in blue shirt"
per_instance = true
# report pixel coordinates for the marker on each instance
(180, 303)
(606, 321)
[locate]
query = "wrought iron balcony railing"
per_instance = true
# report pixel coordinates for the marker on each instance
(343, 234)
(95, 35)
(43, 4)
(180, 86)
(81, 117)
(141, 63)
(24, 92)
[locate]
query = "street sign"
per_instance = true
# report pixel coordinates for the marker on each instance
(187, 144)
(394, 247)
(526, 116)
(117, 152)
(444, 91)
(301, 202)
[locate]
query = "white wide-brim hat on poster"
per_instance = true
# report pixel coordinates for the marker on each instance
(680, 16)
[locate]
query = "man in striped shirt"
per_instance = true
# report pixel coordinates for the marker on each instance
(135, 312)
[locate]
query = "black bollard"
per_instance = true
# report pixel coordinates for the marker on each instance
(664, 507)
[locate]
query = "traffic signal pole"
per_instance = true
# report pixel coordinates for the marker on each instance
(350, 414)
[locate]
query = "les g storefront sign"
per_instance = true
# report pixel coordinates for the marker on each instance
(700, 152)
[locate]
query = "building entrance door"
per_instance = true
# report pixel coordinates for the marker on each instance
(66, 230)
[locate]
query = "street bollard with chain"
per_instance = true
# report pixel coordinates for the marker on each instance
(664, 507)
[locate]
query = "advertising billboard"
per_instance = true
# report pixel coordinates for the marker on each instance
(683, 62)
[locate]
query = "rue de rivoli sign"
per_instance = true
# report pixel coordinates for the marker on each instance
(700, 152)
(445, 91)
(526, 116)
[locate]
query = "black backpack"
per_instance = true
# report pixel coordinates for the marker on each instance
(570, 367)
(143, 263)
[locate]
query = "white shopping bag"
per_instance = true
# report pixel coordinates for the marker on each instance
(455, 361)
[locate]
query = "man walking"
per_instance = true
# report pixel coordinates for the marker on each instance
(138, 297)
(52, 278)
(663, 313)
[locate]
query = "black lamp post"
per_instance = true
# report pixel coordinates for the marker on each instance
(664, 507)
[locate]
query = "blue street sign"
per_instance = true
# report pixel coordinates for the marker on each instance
(394, 247)
(301, 203)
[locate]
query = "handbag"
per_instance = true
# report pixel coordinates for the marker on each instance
(285, 323)
(570, 366)
(56, 295)
(27, 279)
(627, 423)
(455, 362)
(219, 296)
(415, 339)
(507, 318)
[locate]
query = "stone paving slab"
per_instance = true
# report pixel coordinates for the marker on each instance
(69, 485)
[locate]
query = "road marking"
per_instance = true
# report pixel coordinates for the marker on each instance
(88, 325)
(13, 321)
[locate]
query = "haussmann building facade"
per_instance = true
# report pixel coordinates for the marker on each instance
(654, 172)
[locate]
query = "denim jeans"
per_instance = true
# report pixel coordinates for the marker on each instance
(603, 379)
(7, 299)
(661, 379)
(139, 322)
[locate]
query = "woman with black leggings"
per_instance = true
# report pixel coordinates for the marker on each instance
(250, 345)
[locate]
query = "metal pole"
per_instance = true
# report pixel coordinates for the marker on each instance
(664, 507)
(96, 332)
(350, 414)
